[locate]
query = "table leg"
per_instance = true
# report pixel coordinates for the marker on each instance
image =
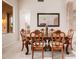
(27, 47)
(67, 46)
(47, 45)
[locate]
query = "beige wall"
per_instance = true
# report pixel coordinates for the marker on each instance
(10, 38)
(28, 10)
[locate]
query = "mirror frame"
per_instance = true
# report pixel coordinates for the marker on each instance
(38, 23)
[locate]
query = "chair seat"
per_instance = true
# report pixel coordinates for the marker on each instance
(38, 47)
(56, 49)
(57, 44)
(37, 44)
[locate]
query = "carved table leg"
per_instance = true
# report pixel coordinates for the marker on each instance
(67, 46)
(27, 47)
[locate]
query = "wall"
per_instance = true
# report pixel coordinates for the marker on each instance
(28, 10)
(10, 38)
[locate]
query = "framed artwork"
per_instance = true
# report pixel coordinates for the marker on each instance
(49, 19)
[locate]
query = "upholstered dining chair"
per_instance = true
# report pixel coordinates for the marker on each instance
(37, 42)
(58, 42)
(23, 37)
(42, 30)
(70, 36)
(50, 31)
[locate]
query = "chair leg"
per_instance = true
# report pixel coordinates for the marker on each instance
(22, 46)
(27, 47)
(42, 53)
(71, 46)
(32, 53)
(62, 53)
(52, 53)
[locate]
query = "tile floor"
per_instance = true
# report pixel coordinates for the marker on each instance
(14, 52)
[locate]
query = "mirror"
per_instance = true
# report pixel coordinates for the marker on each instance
(49, 19)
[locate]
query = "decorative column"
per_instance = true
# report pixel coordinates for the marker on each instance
(69, 12)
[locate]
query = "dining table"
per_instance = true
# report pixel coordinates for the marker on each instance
(48, 38)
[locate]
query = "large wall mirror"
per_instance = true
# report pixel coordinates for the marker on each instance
(7, 18)
(49, 19)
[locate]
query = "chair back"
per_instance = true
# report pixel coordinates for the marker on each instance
(62, 34)
(37, 38)
(70, 33)
(42, 30)
(58, 36)
(23, 34)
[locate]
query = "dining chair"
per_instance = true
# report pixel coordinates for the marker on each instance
(23, 38)
(37, 42)
(42, 30)
(58, 42)
(50, 31)
(70, 37)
